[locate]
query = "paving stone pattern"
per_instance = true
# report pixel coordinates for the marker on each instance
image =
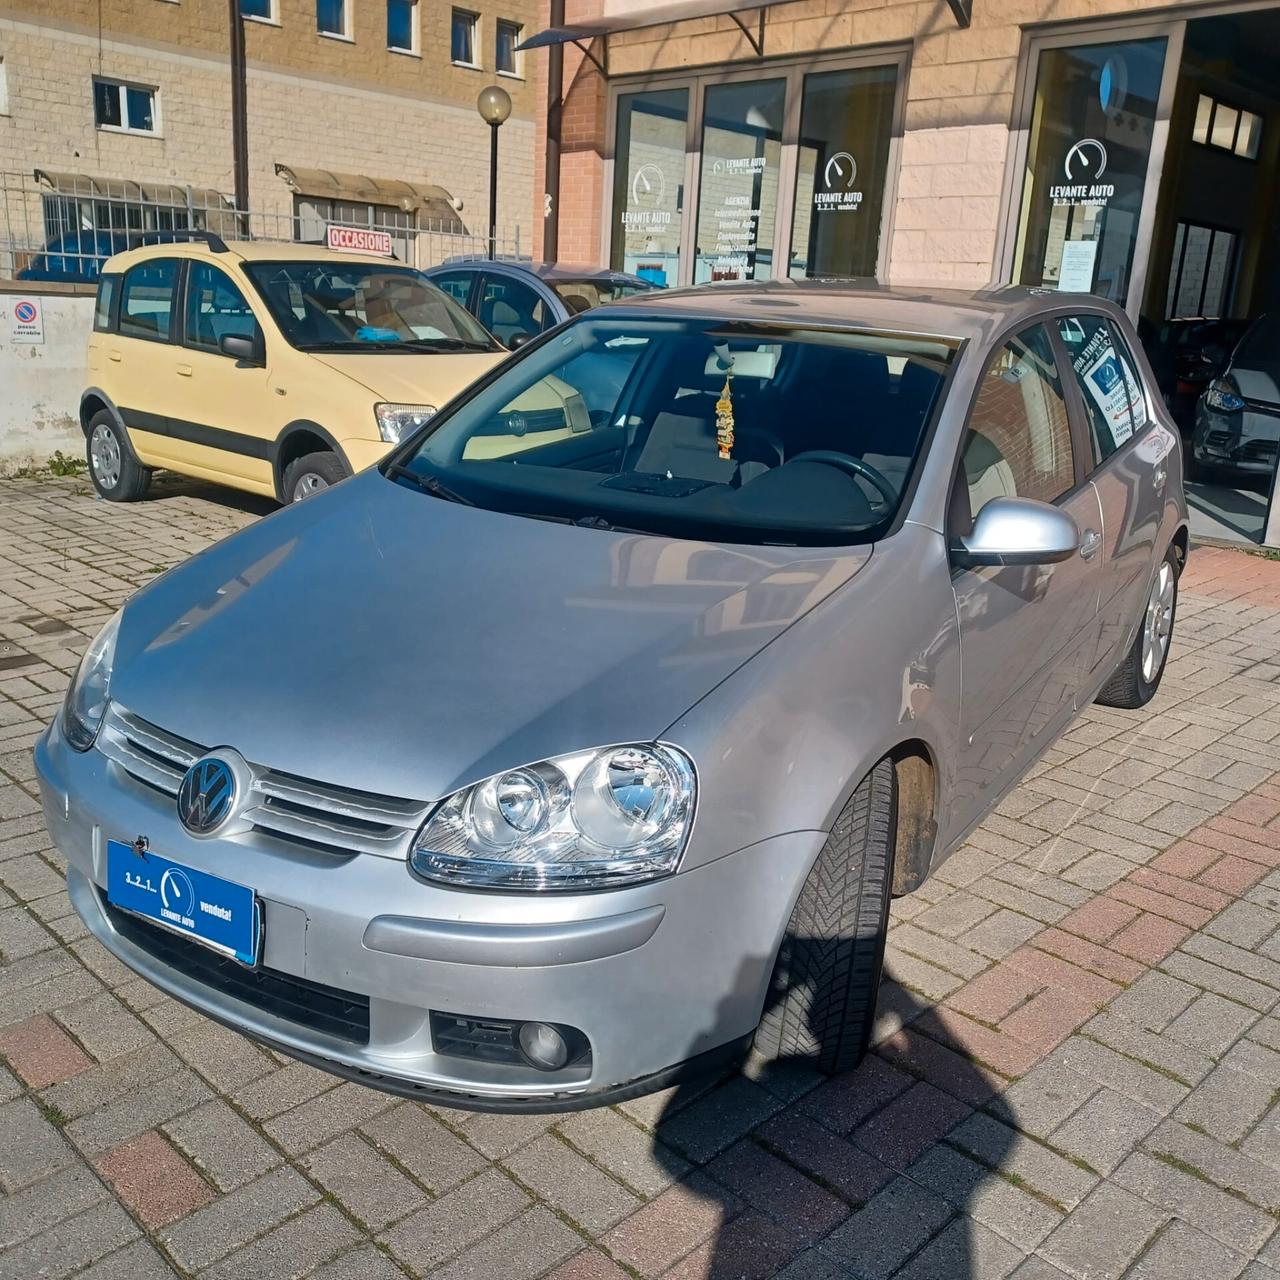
(1076, 1070)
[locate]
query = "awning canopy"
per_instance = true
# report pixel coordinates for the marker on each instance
(359, 188)
(83, 186)
(748, 16)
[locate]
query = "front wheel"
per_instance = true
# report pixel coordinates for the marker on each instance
(116, 474)
(822, 998)
(312, 473)
(1137, 678)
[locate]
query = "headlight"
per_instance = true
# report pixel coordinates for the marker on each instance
(593, 820)
(397, 422)
(87, 698)
(1223, 397)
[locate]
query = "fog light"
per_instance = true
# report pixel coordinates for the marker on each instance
(543, 1046)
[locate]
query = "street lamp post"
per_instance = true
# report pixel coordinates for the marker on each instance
(494, 105)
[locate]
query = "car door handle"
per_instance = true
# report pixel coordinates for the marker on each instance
(1090, 543)
(113, 355)
(183, 370)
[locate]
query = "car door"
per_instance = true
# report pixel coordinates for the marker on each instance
(1026, 632)
(1127, 461)
(225, 418)
(138, 357)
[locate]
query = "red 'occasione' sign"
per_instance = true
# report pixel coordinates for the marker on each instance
(359, 240)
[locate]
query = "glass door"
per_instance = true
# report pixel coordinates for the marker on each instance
(648, 184)
(842, 171)
(738, 180)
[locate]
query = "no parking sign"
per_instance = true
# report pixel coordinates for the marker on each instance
(26, 321)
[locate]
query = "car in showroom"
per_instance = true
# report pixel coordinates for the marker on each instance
(516, 298)
(276, 368)
(1238, 417)
(536, 778)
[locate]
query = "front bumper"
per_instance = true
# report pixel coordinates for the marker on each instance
(654, 975)
(1245, 442)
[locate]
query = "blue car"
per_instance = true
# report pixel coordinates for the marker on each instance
(76, 257)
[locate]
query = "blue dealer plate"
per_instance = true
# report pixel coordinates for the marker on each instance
(217, 912)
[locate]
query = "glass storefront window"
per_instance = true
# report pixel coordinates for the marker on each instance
(1090, 141)
(738, 182)
(648, 184)
(846, 122)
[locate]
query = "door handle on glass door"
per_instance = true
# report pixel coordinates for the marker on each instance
(1090, 543)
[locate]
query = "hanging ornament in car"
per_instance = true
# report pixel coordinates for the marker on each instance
(724, 417)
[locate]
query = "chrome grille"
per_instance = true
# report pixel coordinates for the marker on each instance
(298, 811)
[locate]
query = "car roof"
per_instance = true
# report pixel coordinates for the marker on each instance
(550, 271)
(244, 251)
(864, 304)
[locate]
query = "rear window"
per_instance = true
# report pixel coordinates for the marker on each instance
(107, 287)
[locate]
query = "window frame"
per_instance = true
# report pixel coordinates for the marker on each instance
(1241, 112)
(474, 19)
(177, 302)
(271, 18)
(122, 88)
(346, 33)
(4, 86)
(185, 340)
(415, 29)
(108, 322)
(516, 71)
(958, 492)
(1075, 393)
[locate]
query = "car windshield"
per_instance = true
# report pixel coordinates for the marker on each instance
(579, 295)
(363, 306)
(1261, 345)
(699, 429)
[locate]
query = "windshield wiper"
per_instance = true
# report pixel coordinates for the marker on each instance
(428, 484)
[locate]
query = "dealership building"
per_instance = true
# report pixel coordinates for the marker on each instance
(1111, 146)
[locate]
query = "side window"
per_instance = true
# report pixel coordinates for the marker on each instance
(146, 299)
(509, 308)
(457, 284)
(107, 286)
(1110, 384)
(215, 308)
(1019, 439)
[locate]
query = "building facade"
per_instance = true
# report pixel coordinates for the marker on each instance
(1118, 146)
(117, 113)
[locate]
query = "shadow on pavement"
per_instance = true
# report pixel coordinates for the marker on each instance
(166, 485)
(820, 1178)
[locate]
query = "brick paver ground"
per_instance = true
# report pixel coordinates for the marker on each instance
(1077, 1064)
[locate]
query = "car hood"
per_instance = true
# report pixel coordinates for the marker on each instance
(416, 379)
(379, 638)
(1259, 381)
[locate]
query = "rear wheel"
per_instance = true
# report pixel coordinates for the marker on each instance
(116, 474)
(311, 474)
(822, 997)
(1137, 678)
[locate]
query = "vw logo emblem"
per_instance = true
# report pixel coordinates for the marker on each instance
(206, 796)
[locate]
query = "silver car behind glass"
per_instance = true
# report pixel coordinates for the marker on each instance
(583, 743)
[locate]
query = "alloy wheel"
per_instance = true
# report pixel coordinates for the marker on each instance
(1158, 623)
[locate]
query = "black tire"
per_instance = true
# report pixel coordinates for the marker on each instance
(1130, 686)
(822, 997)
(312, 473)
(113, 466)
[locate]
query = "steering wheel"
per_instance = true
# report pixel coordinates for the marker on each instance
(851, 466)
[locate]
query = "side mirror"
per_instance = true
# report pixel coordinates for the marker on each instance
(517, 340)
(238, 347)
(1010, 531)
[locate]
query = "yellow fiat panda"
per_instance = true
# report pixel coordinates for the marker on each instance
(276, 368)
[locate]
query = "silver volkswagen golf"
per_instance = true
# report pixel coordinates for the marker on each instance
(582, 743)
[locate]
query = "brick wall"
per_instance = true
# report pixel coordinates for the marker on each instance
(959, 105)
(295, 119)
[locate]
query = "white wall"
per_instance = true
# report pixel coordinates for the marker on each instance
(41, 383)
